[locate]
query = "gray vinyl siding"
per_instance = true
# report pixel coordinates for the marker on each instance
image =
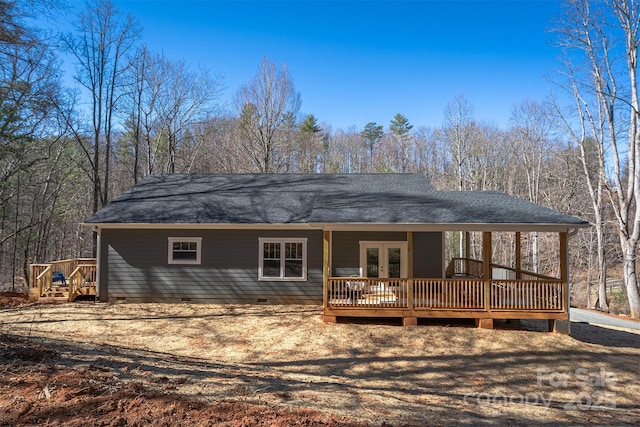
(427, 251)
(134, 268)
(427, 255)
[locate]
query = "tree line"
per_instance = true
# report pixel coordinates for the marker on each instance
(68, 150)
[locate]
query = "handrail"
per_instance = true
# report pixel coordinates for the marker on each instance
(529, 274)
(83, 274)
(74, 281)
(35, 270)
(44, 280)
(473, 268)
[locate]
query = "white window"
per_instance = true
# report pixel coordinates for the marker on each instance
(282, 259)
(185, 250)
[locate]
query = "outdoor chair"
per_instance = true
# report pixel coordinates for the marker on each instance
(59, 277)
(355, 289)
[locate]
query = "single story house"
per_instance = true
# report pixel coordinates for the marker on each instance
(358, 244)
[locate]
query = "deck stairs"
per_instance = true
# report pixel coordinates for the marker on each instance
(55, 294)
(62, 281)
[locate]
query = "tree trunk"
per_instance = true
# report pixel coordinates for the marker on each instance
(535, 259)
(630, 276)
(603, 303)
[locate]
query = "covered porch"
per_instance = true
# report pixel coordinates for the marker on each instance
(467, 288)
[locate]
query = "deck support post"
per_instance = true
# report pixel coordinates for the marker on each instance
(562, 327)
(409, 321)
(486, 268)
(484, 323)
(329, 319)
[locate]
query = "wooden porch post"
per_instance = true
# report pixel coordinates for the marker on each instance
(518, 265)
(486, 274)
(564, 248)
(411, 320)
(467, 250)
(326, 273)
(563, 326)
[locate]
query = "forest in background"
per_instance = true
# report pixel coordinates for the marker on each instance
(143, 113)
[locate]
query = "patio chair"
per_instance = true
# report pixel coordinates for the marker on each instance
(59, 277)
(355, 289)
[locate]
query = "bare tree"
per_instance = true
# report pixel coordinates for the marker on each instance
(583, 131)
(601, 42)
(533, 145)
(100, 43)
(458, 117)
(34, 150)
(265, 105)
(458, 124)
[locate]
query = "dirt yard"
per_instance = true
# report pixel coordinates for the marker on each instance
(187, 364)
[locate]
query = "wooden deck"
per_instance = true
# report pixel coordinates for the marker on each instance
(465, 294)
(79, 274)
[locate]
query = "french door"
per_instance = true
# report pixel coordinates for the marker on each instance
(383, 259)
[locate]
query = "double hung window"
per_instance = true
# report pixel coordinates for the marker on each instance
(185, 250)
(282, 259)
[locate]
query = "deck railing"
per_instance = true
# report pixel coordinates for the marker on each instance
(361, 292)
(526, 295)
(463, 290)
(449, 293)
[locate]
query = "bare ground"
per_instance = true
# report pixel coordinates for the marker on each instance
(189, 364)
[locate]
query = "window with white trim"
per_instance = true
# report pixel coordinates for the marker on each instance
(185, 250)
(282, 259)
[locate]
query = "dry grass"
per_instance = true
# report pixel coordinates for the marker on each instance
(285, 357)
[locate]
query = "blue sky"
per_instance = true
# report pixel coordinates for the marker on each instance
(355, 62)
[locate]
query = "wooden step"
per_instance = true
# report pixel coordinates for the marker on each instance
(53, 299)
(56, 293)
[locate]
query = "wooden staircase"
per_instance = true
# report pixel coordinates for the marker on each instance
(55, 294)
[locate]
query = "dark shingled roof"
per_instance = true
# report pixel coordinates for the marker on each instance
(315, 199)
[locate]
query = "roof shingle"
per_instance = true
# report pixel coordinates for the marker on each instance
(315, 199)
